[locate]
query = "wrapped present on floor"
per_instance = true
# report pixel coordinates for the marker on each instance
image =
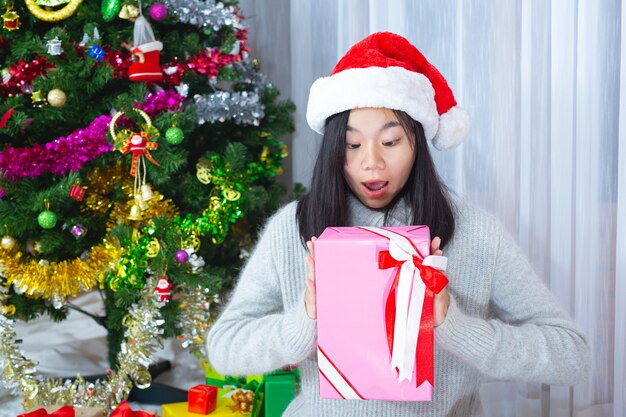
(374, 295)
(202, 399)
(64, 411)
(276, 390)
(124, 410)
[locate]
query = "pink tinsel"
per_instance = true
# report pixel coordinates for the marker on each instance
(70, 153)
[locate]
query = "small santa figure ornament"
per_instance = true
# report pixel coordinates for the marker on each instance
(163, 289)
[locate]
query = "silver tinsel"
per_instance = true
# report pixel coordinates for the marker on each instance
(196, 319)
(142, 337)
(205, 14)
(243, 108)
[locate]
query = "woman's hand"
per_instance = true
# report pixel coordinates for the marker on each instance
(442, 300)
(309, 295)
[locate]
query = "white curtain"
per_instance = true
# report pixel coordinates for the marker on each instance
(544, 83)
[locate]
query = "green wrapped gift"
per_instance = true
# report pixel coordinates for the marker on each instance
(276, 390)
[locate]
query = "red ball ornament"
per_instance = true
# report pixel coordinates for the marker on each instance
(158, 11)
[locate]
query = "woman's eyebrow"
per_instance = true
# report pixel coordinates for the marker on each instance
(386, 126)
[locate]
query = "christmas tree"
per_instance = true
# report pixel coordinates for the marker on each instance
(139, 150)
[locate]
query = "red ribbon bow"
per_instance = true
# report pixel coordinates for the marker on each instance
(65, 411)
(124, 410)
(139, 145)
(435, 281)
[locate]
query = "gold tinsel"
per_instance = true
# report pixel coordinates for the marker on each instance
(63, 279)
(101, 182)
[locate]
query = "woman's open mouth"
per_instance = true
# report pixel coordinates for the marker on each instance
(375, 189)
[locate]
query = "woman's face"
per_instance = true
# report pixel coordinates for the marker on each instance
(379, 156)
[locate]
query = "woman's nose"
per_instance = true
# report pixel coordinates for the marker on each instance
(373, 159)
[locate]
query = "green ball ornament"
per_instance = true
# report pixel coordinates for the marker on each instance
(174, 136)
(110, 9)
(47, 219)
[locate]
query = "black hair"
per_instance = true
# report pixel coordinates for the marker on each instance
(326, 202)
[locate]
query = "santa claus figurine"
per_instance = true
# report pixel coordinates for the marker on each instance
(163, 289)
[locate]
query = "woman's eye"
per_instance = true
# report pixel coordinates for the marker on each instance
(352, 145)
(391, 142)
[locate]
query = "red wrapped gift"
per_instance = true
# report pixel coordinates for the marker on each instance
(202, 399)
(77, 192)
(124, 410)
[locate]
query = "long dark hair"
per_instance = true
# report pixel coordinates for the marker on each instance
(326, 202)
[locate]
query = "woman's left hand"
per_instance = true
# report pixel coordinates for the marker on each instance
(442, 300)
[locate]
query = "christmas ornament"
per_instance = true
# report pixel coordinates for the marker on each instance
(5, 117)
(129, 12)
(56, 97)
(163, 289)
(78, 231)
(38, 99)
(181, 256)
(97, 53)
(110, 9)
(52, 16)
(158, 12)
(93, 38)
(146, 193)
(77, 192)
(6, 75)
(2, 193)
(174, 135)
(7, 242)
(135, 213)
(11, 19)
(47, 219)
(146, 53)
(54, 46)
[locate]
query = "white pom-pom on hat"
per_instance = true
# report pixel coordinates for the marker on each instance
(385, 70)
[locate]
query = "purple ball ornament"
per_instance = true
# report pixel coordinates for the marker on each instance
(158, 11)
(182, 256)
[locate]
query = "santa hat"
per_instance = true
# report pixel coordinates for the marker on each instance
(385, 70)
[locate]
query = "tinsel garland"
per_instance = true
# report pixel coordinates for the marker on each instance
(243, 108)
(69, 154)
(20, 76)
(195, 319)
(204, 13)
(57, 280)
(142, 337)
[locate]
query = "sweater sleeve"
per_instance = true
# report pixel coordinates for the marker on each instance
(254, 334)
(531, 339)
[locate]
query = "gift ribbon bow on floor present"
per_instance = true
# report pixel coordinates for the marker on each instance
(411, 345)
(124, 410)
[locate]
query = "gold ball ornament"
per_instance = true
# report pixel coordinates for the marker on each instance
(52, 16)
(7, 242)
(57, 98)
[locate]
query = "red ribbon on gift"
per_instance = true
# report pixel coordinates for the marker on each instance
(139, 145)
(434, 281)
(124, 410)
(65, 411)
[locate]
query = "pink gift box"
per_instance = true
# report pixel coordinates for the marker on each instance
(352, 293)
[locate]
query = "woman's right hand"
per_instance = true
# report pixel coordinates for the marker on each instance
(309, 295)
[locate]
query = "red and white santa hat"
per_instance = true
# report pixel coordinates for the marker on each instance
(385, 70)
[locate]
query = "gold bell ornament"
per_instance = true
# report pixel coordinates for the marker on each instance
(135, 213)
(139, 201)
(146, 192)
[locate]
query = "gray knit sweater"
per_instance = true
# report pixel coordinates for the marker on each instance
(502, 320)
